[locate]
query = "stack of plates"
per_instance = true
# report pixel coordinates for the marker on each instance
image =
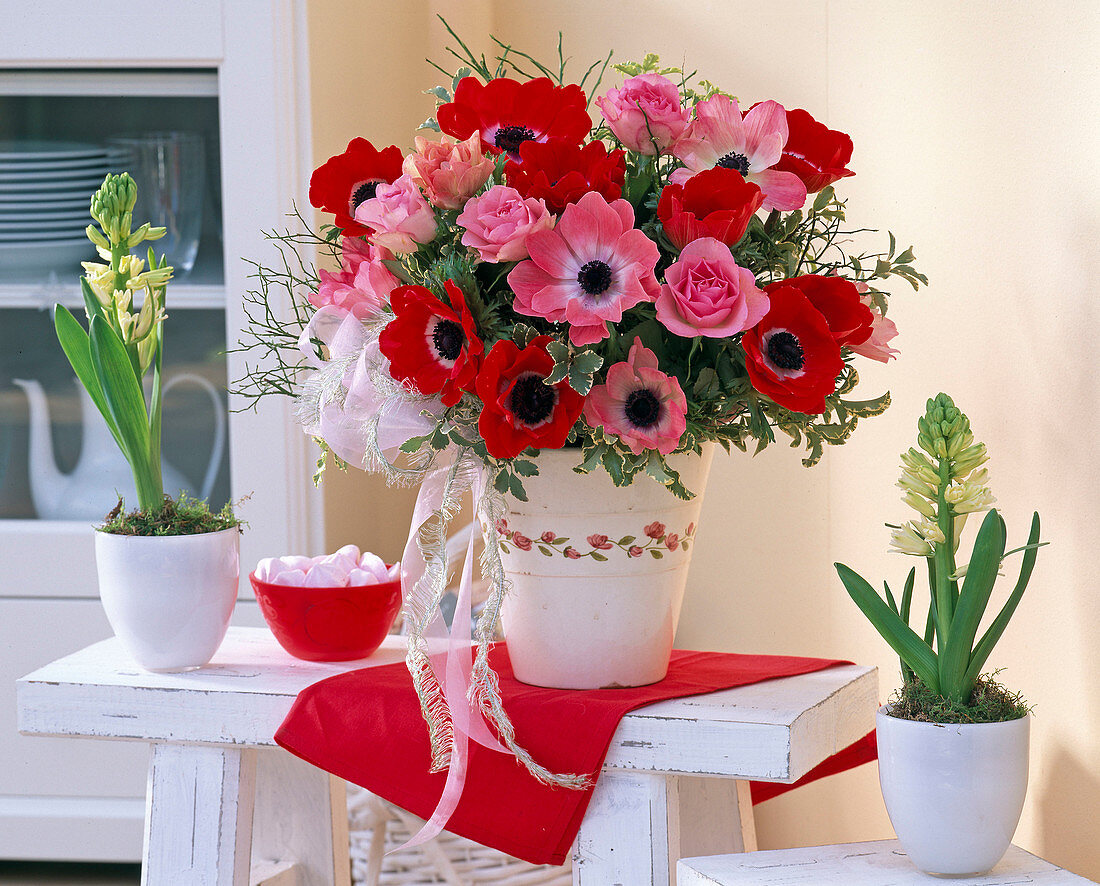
(45, 190)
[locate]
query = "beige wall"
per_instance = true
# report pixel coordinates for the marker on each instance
(976, 139)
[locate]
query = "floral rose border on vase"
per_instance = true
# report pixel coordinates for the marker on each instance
(658, 542)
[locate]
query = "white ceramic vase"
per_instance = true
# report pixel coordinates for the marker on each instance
(598, 573)
(954, 792)
(169, 598)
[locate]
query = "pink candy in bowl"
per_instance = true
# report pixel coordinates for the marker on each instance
(330, 608)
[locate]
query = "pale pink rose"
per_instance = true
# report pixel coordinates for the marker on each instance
(362, 285)
(499, 222)
(547, 537)
(521, 541)
(707, 293)
(572, 553)
(635, 551)
(399, 216)
(883, 330)
(600, 542)
(656, 529)
(645, 114)
(449, 171)
(672, 542)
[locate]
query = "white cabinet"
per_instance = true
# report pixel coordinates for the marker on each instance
(234, 71)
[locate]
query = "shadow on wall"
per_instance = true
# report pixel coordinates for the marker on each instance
(1067, 781)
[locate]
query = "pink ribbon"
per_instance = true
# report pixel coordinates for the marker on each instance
(341, 426)
(456, 663)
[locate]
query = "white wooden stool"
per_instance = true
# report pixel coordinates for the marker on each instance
(223, 799)
(882, 863)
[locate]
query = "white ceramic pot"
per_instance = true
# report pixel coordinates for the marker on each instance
(169, 598)
(954, 792)
(598, 573)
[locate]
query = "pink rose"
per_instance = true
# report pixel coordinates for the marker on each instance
(499, 222)
(521, 541)
(672, 542)
(656, 529)
(502, 526)
(399, 216)
(362, 286)
(599, 542)
(547, 537)
(449, 171)
(635, 551)
(707, 293)
(690, 529)
(883, 330)
(572, 553)
(645, 114)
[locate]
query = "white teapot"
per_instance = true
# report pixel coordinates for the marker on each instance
(101, 474)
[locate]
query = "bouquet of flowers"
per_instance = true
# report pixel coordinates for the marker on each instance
(538, 277)
(631, 277)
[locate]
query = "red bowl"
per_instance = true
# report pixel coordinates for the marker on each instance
(329, 624)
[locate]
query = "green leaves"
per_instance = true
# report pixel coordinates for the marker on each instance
(913, 651)
(989, 549)
(75, 344)
(993, 634)
(125, 403)
(576, 366)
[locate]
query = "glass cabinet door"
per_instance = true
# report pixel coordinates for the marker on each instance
(60, 470)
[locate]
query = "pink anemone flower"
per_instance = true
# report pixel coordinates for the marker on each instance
(589, 269)
(751, 145)
(645, 407)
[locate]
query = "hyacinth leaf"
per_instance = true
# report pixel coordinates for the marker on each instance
(989, 549)
(890, 598)
(122, 392)
(907, 595)
(91, 303)
(990, 638)
(75, 344)
(914, 652)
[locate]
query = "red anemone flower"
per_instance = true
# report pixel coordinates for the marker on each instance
(561, 172)
(791, 355)
(432, 346)
(717, 203)
(837, 300)
(816, 154)
(342, 182)
(507, 113)
(521, 409)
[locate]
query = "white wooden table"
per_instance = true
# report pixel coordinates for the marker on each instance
(225, 806)
(882, 863)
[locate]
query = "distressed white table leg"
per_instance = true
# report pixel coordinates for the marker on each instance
(198, 817)
(301, 819)
(639, 823)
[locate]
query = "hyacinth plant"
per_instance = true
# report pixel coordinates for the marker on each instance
(945, 482)
(631, 277)
(122, 345)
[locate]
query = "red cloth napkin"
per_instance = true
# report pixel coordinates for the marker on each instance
(365, 726)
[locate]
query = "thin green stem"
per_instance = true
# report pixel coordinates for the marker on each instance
(944, 557)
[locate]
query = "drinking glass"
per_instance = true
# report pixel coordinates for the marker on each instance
(169, 169)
